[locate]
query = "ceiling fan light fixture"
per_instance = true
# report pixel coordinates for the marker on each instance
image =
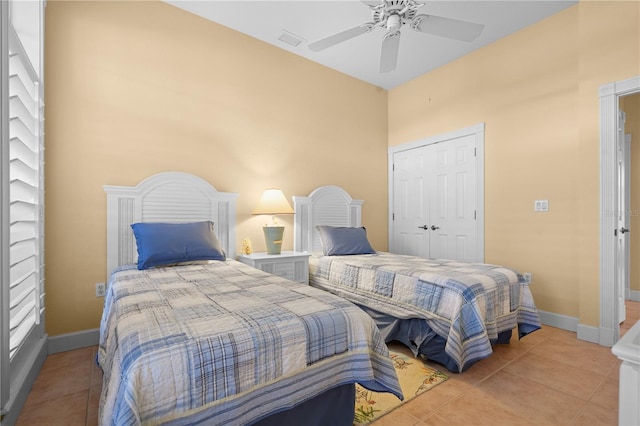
(392, 15)
(394, 22)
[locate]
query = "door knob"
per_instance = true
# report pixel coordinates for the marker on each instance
(433, 227)
(624, 230)
(423, 227)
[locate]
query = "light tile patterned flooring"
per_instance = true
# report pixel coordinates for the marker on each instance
(547, 378)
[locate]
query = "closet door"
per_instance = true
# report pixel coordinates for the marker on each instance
(411, 210)
(453, 200)
(435, 192)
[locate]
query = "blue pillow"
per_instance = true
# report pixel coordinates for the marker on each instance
(161, 244)
(342, 240)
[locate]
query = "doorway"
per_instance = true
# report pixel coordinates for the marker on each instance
(610, 96)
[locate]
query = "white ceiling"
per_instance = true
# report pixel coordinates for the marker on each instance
(359, 57)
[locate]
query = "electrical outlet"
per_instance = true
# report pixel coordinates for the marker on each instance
(100, 289)
(527, 277)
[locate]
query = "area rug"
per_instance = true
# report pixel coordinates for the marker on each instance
(415, 378)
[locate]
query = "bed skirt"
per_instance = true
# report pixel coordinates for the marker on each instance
(333, 407)
(416, 334)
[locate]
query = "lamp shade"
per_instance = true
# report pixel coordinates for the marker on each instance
(273, 202)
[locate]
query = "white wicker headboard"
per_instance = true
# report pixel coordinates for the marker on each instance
(327, 205)
(173, 197)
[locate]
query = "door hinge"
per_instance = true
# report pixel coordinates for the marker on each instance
(475, 152)
(475, 217)
(615, 232)
(393, 216)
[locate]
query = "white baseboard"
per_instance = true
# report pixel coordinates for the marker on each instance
(584, 332)
(71, 341)
(635, 296)
(587, 333)
(559, 321)
(590, 334)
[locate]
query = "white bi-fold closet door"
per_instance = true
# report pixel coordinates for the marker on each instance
(435, 199)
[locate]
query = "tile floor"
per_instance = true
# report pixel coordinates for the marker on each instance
(547, 378)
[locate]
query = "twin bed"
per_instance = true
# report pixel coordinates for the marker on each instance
(195, 337)
(188, 340)
(450, 312)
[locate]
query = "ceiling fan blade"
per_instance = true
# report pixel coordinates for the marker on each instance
(447, 27)
(345, 35)
(389, 55)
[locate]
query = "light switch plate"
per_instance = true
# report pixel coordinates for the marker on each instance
(541, 206)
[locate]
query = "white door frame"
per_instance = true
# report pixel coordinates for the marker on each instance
(610, 94)
(475, 130)
(627, 147)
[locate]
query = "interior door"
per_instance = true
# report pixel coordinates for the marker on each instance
(435, 200)
(622, 217)
(411, 202)
(452, 200)
(627, 195)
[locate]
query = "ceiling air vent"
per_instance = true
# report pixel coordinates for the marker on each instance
(289, 38)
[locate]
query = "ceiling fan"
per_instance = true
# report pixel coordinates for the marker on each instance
(392, 15)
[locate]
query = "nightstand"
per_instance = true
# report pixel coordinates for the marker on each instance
(292, 265)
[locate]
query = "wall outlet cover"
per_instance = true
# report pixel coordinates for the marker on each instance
(100, 289)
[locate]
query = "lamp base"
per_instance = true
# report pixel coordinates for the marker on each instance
(273, 238)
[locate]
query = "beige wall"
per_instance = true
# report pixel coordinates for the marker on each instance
(537, 92)
(631, 106)
(137, 88)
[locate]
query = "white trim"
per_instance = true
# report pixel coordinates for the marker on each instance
(564, 322)
(72, 341)
(610, 94)
(559, 321)
(588, 333)
(476, 130)
(634, 296)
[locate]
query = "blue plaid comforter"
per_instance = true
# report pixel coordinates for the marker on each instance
(467, 304)
(224, 343)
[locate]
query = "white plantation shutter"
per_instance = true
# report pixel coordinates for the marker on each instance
(23, 341)
(26, 295)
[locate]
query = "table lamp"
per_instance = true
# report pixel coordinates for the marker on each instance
(273, 202)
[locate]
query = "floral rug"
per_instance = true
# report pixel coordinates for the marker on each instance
(415, 377)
